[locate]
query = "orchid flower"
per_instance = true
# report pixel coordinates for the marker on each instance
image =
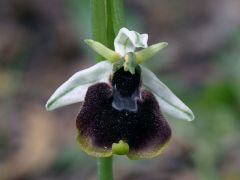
(124, 104)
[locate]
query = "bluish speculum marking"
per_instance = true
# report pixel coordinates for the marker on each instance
(126, 90)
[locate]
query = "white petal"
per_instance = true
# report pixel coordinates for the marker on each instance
(169, 102)
(75, 88)
(127, 41)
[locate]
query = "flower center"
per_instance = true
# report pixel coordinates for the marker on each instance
(125, 90)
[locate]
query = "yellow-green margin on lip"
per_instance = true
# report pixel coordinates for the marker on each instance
(133, 155)
(148, 155)
(84, 144)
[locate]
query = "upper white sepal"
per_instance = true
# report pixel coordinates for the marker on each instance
(127, 41)
(75, 88)
(169, 102)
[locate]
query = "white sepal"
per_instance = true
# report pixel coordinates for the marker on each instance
(75, 88)
(169, 102)
(127, 41)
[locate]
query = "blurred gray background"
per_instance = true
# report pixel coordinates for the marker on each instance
(41, 45)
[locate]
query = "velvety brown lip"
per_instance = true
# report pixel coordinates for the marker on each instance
(104, 124)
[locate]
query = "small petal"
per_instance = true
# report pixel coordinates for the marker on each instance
(169, 103)
(127, 41)
(149, 52)
(75, 88)
(107, 53)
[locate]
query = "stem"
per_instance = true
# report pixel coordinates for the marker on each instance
(118, 18)
(105, 168)
(110, 30)
(99, 23)
(107, 18)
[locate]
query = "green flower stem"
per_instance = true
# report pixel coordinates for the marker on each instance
(99, 23)
(105, 168)
(107, 18)
(118, 18)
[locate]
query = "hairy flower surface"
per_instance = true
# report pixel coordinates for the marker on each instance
(124, 103)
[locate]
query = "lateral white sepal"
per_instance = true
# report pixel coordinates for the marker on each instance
(169, 102)
(75, 88)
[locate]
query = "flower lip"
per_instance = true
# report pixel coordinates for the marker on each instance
(101, 125)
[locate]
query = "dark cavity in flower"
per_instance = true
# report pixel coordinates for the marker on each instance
(121, 111)
(125, 90)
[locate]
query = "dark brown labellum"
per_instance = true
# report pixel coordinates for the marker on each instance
(122, 111)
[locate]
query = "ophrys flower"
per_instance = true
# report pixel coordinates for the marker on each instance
(124, 103)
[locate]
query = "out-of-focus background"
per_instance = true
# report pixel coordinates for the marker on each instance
(41, 45)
